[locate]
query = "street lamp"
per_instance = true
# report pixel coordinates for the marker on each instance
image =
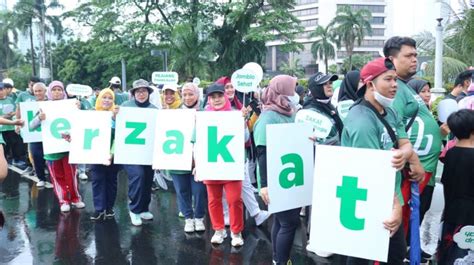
(438, 85)
(164, 53)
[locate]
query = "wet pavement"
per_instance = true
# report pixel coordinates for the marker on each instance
(36, 232)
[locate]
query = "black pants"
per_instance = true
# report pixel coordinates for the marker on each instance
(396, 251)
(36, 150)
(14, 144)
(283, 233)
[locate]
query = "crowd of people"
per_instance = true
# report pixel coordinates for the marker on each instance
(383, 106)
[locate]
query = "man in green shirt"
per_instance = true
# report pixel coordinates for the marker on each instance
(365, 128)
(423, 130)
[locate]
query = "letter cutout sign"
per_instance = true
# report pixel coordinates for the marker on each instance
(134, 136)
(90, 137)
(219, 150)
(173, 135)
(28, 112)
(353, 196)
(289, 166)
(59, 115)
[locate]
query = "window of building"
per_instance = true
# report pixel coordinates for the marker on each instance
(378, 32)
(305, 2)
(377, 20)
(309, 22)
(305, 12)
(371, 8)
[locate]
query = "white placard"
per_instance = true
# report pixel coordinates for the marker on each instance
(445, 108)
(28, 112)
(465, 237)
(244, 80)
(134, 136)
(343, 108)
(289, 166)
(255, 68)
(59, 117)
(90, 137)
(164, 78)
(322, 125)
(351, 201)
(219, 151)
(79, 90)
(173, 148)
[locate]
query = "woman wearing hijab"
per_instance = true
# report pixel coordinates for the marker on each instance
(422, 88)
(188, 190)
(140, 177)
(171, 97)
(347, 93)
(218, 101)
(104, 177)
(279, 100)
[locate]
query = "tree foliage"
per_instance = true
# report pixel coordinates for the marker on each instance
(323, 47)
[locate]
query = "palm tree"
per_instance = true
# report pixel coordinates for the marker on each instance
(323, 48)
(350, 28)
(292, 68)
(27, 11)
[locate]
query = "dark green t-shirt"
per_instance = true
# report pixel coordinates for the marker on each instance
(7, 105)
(424, 134)
(363, 129)
(25, 96)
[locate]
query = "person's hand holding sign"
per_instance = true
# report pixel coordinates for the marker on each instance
(264, 195)
(393, 223)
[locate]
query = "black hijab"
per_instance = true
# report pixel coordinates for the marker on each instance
(317, 92)
(349, 86)
(418, 84)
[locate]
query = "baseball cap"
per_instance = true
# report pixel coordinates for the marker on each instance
(215, 88)
(8, 81)
(372, 70)
(320, 79)
(170, 87)
(115, 81)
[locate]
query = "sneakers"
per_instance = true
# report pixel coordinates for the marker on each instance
(261, 217)
(98, 216)
(237, 240)
(65, 208)
(189, 225)
(135, 218)
(48, 185)
(79, 204)
(146, 216)
(199, 225)
(40, 184)
(19, 164)
(109, 213)
(219, 237)
(180, 215)
(83, 176)
(303, 212)
(27, 171)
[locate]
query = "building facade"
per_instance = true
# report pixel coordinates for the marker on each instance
(312, 13)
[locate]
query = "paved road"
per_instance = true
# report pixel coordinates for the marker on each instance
(37, 233)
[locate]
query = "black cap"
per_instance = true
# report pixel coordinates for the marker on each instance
(215, 88)
(320, 79)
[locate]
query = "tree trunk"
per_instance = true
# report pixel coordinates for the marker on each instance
(326, 63)
(32, 47)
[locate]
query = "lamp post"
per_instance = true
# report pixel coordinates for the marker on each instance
(438, 89)
(164, 53)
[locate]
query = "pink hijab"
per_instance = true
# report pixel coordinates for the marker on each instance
(227, 106)
(54, 84)
(275, 95)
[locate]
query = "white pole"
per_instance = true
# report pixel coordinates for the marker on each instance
(439, 56)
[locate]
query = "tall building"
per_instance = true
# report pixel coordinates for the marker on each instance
(3, 5)
(312, 13)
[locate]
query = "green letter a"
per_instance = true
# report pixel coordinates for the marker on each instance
(177, 143)
(297, 170)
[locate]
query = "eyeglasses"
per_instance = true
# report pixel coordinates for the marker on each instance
(141, 91)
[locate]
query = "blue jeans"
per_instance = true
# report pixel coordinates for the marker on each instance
(186, 188)
(104, 186)
(283, 233)
(140, 178)
(36, 150)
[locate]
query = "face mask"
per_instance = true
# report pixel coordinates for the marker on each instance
(384, 101)
(324, 101)
(294, 100)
